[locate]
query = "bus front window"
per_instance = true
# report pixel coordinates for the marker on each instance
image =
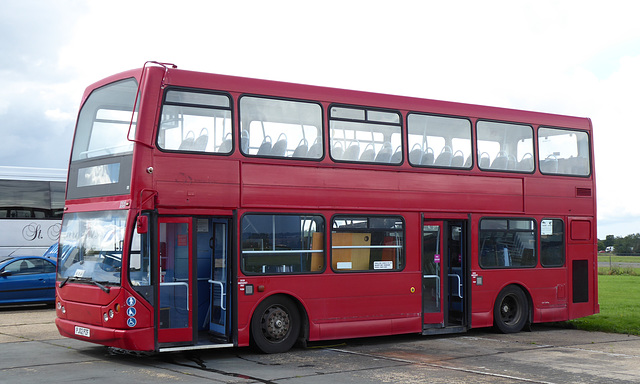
(94, 241)
(104, 121)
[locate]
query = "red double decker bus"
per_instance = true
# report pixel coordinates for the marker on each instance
(208, 211)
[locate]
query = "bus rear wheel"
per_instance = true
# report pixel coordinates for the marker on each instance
(275, 325)
(511, 310)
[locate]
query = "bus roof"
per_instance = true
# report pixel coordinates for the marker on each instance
(32, 173)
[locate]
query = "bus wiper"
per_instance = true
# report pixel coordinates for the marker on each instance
(64, 282)
(105, 289)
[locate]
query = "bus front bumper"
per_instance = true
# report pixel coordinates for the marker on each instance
(129, 339)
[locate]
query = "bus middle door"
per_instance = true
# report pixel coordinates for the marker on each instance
(432, 275)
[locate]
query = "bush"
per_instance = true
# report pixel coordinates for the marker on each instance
(618, 271)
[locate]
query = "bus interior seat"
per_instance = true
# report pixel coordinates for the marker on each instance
(485, 161)
(549, 165)
(337, 152)
(315, 152)
(369, 153)
(467, 163)
(352, 153)
(384, 156)
(280, 147)
(526, 163)
(444, 158)
(227, 144)
(458, 159)
(201, 142)
(415, 155)
(397, 156)
(189, 142)
(500, 162)
(265, 147)
(302, 149)
(428, 157)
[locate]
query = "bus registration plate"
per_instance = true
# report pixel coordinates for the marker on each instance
(81, 331)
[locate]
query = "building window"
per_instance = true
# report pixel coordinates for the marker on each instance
(367, 243)
(276, 244)
(507, 243)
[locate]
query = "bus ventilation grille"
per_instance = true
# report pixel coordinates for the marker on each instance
(583, 192)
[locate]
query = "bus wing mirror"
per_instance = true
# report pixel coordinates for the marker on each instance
(142, 224)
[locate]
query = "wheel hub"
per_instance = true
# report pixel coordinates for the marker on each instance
(275, 324)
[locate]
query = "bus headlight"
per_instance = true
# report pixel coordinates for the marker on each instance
(105, 317)
(111, 313)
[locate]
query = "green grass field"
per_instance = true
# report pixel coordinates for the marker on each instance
(619, 298)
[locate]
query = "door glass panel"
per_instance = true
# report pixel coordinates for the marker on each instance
(431, 267)
(218, 282)
(174, 275)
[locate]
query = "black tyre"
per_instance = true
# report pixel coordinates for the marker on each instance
(511, 310)
(275, 325)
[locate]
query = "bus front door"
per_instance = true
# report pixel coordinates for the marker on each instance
(175, 289)
(444, 270)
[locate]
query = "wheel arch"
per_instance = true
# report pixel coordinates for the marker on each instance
(303, 337)
(527, 294)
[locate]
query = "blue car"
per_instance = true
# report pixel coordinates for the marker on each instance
(27, 279)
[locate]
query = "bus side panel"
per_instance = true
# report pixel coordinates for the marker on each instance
(341, 305)
(206, 184)
(279, 186)
(546, 287)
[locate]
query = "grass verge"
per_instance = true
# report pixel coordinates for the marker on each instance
(619, 306)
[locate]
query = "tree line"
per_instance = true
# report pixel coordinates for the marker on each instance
(629, 244)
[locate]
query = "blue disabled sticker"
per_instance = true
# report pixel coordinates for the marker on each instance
(131, 301)
(131, 311)
(131, 322)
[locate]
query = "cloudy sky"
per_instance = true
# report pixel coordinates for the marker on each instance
(578, 58)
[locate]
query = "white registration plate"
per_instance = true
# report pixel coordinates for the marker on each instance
(82, 331)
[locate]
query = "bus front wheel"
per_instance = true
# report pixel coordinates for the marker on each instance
(511, 309)
(275, 325)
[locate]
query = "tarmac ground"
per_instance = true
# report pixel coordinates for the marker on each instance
(32, 351)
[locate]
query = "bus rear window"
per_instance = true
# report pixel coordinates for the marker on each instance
(563, 152)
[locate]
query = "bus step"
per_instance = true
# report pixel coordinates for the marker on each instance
(195, 347)
(444, 331)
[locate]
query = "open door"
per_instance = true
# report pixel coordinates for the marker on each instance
(219, 280)
(176, 285)
(432, 282)
(445, 302)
